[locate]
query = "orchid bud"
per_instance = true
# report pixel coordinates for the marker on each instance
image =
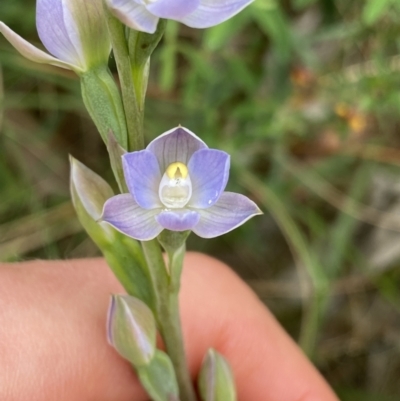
(216, 382)
(73, 31)
(158, 378)
(131, 329)
(123, 254)
(91, 190)
(88, 193)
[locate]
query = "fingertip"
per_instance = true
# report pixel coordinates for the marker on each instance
(219, 310)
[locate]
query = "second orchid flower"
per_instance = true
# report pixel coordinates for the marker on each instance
(143, 15)
(177, 183)
(73, 31)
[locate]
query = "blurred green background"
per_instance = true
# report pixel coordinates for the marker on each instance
(305, 95)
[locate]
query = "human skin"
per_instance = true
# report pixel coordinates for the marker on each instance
(53, 338)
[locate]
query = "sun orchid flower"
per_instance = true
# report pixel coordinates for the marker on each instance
(177, 183)
(143, 15)
(73, 31)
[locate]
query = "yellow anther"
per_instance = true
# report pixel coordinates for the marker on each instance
(177, 170)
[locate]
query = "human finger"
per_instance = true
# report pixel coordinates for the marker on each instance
(56, 321)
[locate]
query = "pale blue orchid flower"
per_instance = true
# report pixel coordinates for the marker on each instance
(177, 183)
(73, 31)
(143, 15)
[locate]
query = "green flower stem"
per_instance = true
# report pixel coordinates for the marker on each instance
(134, 118)
(172, 335)
(133, 61)
(141, 46)
(116, 152)
(167, 312)
(174, 243)
(158, 272)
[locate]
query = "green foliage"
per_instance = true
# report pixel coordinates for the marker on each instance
(304, 95)
(374, 9)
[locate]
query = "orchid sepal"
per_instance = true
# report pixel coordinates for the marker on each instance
(33, 53)
(144, 16)
(73, 32)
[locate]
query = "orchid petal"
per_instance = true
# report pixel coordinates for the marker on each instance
(55, 34)
(176, 9)
(178, 220)
(124, 214)
(31, 52)
(231, 211)
(86, 26)
(213, 12)
(209, 173)
(176, 145)
(134, 15)
(143, 177)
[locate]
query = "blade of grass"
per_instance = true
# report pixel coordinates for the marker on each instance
(56, 225)
(314, 182)
(315, 286)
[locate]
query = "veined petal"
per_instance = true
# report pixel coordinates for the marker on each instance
(213, 12)
(86, 26)
(209, 173)
(31, 52)
(178, 220)
(175, 145)
(172, 9)
(231, 211)
(134, 15)
(124, 214)
(143, 177)
(55, 34)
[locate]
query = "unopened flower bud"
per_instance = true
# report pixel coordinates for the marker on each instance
(216, 382)
(131, 329)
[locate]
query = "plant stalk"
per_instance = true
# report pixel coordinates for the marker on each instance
(167, 313)
(133, 79)
(133, 115)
